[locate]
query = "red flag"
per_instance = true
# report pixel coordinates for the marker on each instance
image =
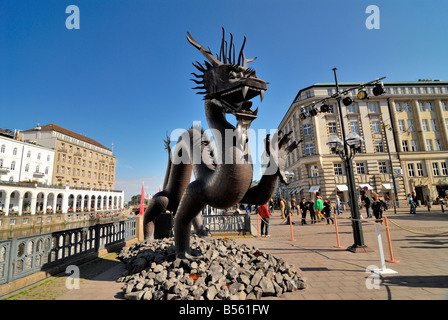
(142, 201)
(160, 188)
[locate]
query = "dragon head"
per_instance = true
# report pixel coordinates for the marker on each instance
(228, 80)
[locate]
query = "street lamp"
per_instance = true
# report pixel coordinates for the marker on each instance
(346, 149)
(349, 145)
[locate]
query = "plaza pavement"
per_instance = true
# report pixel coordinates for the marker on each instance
(419, 242)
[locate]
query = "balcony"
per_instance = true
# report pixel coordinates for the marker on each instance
(4, 170)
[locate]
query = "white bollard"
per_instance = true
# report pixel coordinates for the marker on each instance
(383, 269)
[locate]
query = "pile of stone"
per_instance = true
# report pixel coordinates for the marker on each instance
(221, 270)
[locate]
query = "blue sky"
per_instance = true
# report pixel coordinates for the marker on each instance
(123, 77)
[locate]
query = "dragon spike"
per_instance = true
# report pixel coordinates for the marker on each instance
(197, 76)
(197, 82)
(241, 55)
(222, 53)
(230, 48)
(207, 54)
(198, 66)
(199, 87)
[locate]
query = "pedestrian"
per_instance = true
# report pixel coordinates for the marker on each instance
(282, 208)
(327, 211)
(293, 205)
(378, 206)
(310, 205)
(303, 209)
(338, 205)
(288, 212)
(366, 201)
(411, 201)
(263, 211)
(319, 205)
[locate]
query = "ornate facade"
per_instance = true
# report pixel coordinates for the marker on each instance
(410, 122)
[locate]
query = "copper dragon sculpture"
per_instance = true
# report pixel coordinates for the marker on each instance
(223, 170)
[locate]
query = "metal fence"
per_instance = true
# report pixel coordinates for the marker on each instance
(20, 257)
(228, 223)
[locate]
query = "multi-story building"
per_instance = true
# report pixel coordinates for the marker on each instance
(24, 162)
(410, 122)
(80, 162)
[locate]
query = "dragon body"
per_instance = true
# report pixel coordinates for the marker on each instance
(223, 168)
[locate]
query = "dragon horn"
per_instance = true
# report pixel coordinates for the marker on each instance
(210, 57)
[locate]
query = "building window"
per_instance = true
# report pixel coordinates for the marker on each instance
(428, 145)
(383, 166)
(308, 149)
(28, 154)
(411, 172)
(444, 169)
(14, 152)
(433, 125)
(307, 129)
(314, 171)
(420, 170)
(438, 145)
(37, 169)
(429, 106)
(410, 126)
(398, 107)
(351, 108)
(338, 169)
(46, 170)
(435, 168)
(401, 125)
(404, 144)
(373, 108)
(13, 165)
(379, 146)
(444, 106)
(406, 107)
(414, 145)
(48, 158)
(376, 127)
(332, 127)
(421, 106)
(360, 169)
(354, 126)
(425, 125)
(38, 156)
(27, 167)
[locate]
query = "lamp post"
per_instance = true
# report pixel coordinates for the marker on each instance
(347, 149)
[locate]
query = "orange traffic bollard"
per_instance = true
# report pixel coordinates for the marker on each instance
(337, 233)
(389, 242)
(290, 224)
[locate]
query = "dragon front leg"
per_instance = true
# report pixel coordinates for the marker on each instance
(158, 204)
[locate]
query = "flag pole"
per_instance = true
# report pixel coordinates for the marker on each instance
(142, 201)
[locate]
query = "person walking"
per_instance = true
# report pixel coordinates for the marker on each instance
(319, 205)
(327, 211)
(303, 209)
(338, 205)
(263, 211)
(366, 201)
(411, 201)
(378, 206)
(282, 208)
(310, 205)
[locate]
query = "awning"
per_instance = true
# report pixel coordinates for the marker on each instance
(342, 187)
(368, 186)
(314, 189)
(298, 190)
(387, 186)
